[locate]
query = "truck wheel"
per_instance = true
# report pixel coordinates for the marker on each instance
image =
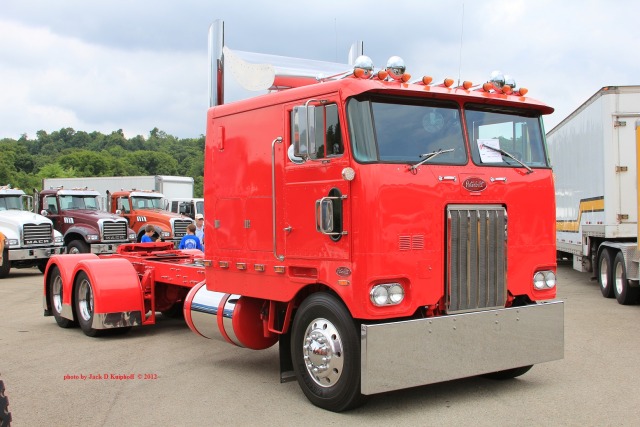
(605, 277)
(6, 265)
(5, 415)
(507, 374)
(624, 293)
(42, 265)
(325, 350)
(55, 299)
(78, 247)
(175, 311)
(84, 305)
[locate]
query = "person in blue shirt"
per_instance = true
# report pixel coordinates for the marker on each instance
(149, 231)
(190, 240)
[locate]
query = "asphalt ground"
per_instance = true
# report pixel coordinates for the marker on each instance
(166, 375)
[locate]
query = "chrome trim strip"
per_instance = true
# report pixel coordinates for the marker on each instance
(425, 351)
(116, 320)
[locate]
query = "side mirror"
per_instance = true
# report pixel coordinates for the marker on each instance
(44, 212)
(306, 119)
(324, 215)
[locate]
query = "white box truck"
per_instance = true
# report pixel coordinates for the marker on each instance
(171, 187)
(595, 155)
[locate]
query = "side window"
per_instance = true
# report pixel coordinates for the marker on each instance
(50, 204)
(123, 205)
(326, 135)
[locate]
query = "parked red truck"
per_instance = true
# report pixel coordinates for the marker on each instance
(77, 214)
(386, 233)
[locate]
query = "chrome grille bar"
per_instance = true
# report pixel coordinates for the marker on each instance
(476, 257)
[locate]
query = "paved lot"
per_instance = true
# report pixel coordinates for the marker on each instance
(194, 381)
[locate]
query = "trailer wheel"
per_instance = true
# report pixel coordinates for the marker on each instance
(605, 276)
(325, 350)
(84, 305)
(5, 415)
(78, 247)
(6, 264)
(55, 298)
(508, 374)
(624, 293)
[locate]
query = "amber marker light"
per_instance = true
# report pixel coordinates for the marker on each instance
(523, 91)
(279, 269)
(467, 84)
(448, 82)
(343, 282)
(405, 77)
(258, 267)
(507, 89)
(241, 265)
(426, 80)
(382, 75)
(487, 86)
(359, 73)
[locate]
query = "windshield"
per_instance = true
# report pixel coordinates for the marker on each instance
(200, 207)
(396, 131)
(79, 202)
(516, 132)
(9, 203)
(147, 202)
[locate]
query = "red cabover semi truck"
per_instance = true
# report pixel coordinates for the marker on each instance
(386, 233)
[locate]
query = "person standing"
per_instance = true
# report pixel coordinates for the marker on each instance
(200, 228)
(189, 240)
(149, 230)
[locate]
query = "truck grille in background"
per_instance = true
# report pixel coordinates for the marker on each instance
(37, 234)
(476, 257)
(114, 231)
(180, 227)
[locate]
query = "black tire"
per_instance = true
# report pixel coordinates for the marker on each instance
(508, 374)
(55, 293)
(84, 305)
(6, 264)
(78, 247)
(605, 275)
(323, 323)
(625, 294)
(42, 265)
(5, 415)
(175, 311)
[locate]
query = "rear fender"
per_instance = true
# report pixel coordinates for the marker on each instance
(66, 265)
(116, 286)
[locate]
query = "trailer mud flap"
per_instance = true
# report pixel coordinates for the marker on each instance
(417, 352)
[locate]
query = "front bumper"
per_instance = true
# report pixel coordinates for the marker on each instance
(105, 248)
(34, 253)
(411, 353)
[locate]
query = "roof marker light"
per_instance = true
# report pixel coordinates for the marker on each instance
(426, 80)
(523, 91)
(448, 82)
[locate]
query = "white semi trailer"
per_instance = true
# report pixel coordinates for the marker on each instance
(595, 156)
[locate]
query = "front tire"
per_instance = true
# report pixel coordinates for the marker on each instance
(78, 247)
(325, 350)
(625, 294)
(5, 415)
(605, 277)
(55, 299)
(6, 264)
(508, 374)
(84, 305)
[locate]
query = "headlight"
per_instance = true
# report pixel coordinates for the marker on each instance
(387, 294)
(58, 239)
(13, 242)
(92, 237)
(132, 236)
(166, 234)
(544, 280)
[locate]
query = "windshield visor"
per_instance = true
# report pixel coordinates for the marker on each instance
(516, 133)
(384, 130)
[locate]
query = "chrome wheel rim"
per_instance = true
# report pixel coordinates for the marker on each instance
(618, 278)
(85, 300)
(56, 293)
(604, 274)
(322, 352)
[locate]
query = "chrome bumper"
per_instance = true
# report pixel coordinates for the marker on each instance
(35, 253)
(417, 352)
(105, 248)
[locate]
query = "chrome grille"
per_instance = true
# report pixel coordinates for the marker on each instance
(476, 257)
(114, 231)
(180, 227)
(37, 234)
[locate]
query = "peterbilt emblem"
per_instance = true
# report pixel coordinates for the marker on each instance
(474, 184)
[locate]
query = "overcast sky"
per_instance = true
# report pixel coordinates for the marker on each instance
(138, 64)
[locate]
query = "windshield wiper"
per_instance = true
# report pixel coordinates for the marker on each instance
(509, 155)
(429, 156)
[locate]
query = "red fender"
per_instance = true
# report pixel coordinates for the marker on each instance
(66, 264)
(115, 283)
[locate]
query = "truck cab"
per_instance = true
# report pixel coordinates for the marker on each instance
(142, 207)
(86, 227)
(188, 207)
(30, 239)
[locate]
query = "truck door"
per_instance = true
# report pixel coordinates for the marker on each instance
(626, 169)
(50, 204)
(313, 182)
